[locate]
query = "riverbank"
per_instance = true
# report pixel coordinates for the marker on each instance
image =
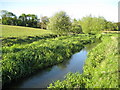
(43, 78)
(22, 60)
(100, 70)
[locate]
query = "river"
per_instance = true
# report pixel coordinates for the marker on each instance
(43, 78)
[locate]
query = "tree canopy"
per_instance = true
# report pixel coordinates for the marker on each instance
(96, 24)
(44, 22)
(60, 23)
(8, 18)
(76, 27)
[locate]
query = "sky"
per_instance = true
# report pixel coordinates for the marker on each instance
(74, 8)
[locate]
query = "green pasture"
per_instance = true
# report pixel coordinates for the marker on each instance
(19, 31)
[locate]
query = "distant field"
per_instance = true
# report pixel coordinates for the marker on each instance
(18, 31)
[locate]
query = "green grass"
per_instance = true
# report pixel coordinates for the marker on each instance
(19, 31)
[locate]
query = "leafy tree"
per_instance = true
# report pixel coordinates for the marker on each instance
(0, 21)
(111, 26)
(96, 24)
(29, 20)
(92, 24)
(44, 22)
(60, 23)
(8, 18)
(3, 13)
(22, 19)
(76, 27)
(118, 24)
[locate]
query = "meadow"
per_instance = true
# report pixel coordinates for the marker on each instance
(19, 31)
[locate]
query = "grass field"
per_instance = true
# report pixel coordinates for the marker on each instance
(19, 31)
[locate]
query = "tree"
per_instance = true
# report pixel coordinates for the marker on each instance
(86, 23)
(22, 19)
(76, 27)
(8, 18)
(92, 24)
(34, 20)
(44, 22)
(96, 24)
(111, 26)
(0, 21)
(60, 23)
(29, 20)
(3, 13)
(118, 25)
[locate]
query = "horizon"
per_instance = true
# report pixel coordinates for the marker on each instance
(75, 9)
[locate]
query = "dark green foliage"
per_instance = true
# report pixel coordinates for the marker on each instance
(8, 18)
(118, 24)
(76, 27)
(109, 26)
(29, 20)
(9, 41)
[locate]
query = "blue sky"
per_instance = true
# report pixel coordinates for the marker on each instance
(74, 8)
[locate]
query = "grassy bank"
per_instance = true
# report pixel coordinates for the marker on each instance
(100, 70)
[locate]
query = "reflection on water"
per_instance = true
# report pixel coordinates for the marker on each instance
(43, 78)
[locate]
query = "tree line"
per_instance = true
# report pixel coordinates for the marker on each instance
(60, 23)
(27, 20)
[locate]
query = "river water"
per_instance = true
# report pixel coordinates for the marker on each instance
(43, 78)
